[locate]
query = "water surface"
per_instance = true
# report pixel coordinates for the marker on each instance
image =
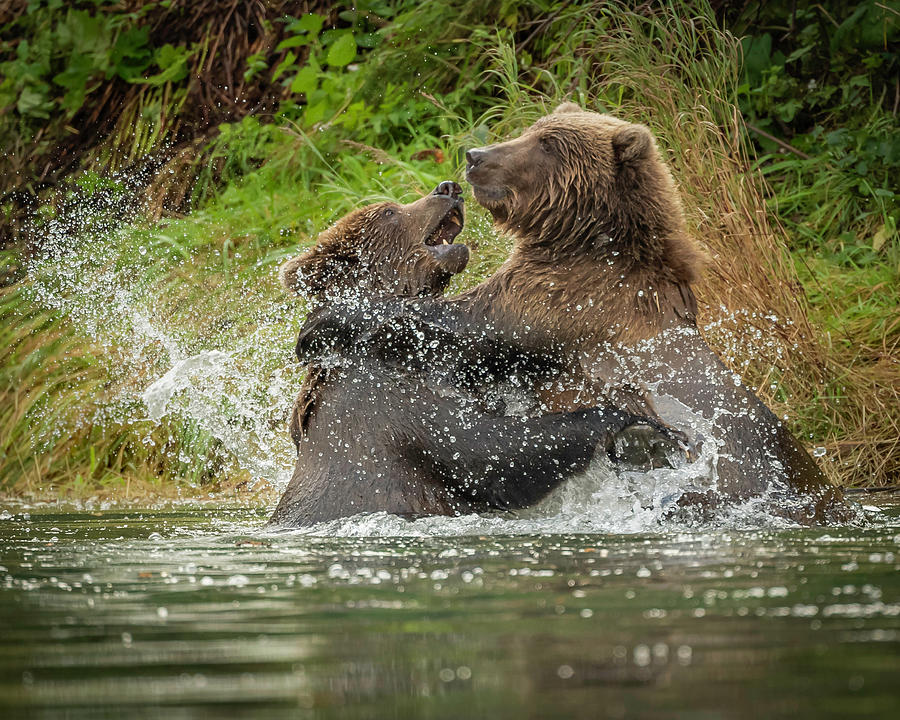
(197, 612)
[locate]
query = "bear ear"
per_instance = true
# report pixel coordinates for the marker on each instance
(567, 107)
(632, 143)
(309, 273)
(293, 271)
(319, 270)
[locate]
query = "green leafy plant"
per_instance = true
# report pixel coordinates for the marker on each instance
(818, 95)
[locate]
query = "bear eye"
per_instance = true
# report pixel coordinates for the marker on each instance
(546, 145)
(387, 212)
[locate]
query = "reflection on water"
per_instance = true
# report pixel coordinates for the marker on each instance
(198, 613)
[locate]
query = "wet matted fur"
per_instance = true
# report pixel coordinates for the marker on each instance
(600, 276)
(387, 426)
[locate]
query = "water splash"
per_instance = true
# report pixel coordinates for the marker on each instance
(180, 378)
(110, 276)
(238, 385)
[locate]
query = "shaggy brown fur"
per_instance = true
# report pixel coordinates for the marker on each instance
(378, 250)
(384, 249)
(601, 251)
(600, 277)
(387, 427)
(601, 269)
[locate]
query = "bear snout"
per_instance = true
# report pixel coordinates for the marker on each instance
(448, 188)
(474, 157)
(482, 174)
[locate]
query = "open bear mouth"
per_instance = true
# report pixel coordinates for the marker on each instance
(450, 258)
(447, 228)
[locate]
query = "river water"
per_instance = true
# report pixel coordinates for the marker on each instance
(198, 611)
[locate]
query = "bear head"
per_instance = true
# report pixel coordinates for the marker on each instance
(582, 185)
(385, 249)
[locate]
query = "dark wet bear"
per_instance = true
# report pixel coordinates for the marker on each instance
(389, 426)
(600, 274)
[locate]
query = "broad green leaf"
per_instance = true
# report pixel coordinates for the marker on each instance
(78, 71)
(173, 63)
(168, 55)
(312, 23)
(284, 65)
(316, 112)
(799, 53)
(130, 55)
(368, 40)
(75, 79)
(788, 109)
(291, 42)
(342, 52)
(306, 81)
(34, 102)
(256, 63)
(757, 56)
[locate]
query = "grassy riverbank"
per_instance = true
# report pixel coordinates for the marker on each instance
(106, 293)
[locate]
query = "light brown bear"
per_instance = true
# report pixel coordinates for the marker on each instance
(600, 275)
(603, 266)
(389, 426)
